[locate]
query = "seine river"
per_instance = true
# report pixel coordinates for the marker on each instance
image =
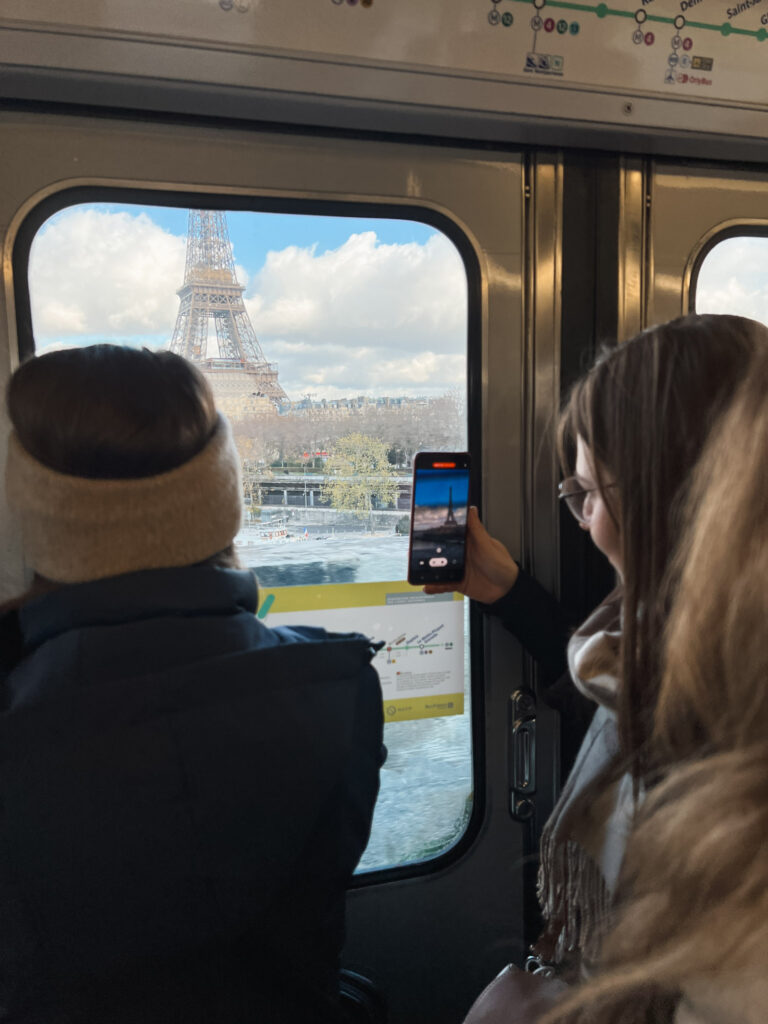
(426, 782)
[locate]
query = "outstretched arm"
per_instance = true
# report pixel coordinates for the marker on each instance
(530, 613)
(494, 579)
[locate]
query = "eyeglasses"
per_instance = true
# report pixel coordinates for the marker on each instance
(574, 495)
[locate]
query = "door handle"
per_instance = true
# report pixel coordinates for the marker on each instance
(522, 754)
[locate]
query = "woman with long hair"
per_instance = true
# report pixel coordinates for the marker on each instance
(689, 940)
(630, 435)
(185, 792)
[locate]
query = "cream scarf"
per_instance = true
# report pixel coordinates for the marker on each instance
(583, 843)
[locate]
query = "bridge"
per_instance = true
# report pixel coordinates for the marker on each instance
(304, 490)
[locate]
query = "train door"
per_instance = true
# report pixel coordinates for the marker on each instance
(432, 928)
(705, 229)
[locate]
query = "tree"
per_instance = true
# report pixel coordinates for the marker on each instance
(359, 471)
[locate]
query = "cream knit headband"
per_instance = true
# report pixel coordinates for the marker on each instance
(76, 529)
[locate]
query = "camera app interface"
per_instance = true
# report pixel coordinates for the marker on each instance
(440, 521)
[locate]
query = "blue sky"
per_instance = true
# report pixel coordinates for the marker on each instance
(344, 305)
(254, 235)
(432, 487)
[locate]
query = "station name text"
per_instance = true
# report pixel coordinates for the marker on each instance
(745, 5)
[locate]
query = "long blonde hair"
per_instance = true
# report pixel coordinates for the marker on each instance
(645, 411)
(694, 900)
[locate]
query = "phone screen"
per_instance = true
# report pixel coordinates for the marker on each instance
(439, 517)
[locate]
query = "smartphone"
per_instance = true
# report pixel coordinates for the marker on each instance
(439, 506)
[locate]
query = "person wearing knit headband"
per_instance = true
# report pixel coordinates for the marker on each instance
(186, 793)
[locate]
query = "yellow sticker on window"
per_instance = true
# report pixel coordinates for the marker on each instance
(421, 665)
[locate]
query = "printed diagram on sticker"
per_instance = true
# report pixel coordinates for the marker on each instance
(421, 664)
(416, 645)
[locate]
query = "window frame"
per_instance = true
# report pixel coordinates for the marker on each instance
(307, 206)
(720, 233)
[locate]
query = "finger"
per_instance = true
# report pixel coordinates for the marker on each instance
(477, 535)
(440, 588)
(475, 527)
(473, 518)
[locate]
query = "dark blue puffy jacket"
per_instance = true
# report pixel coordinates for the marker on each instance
(184, 796)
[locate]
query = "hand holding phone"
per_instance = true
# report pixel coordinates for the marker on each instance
(489, 569)
(439, 505)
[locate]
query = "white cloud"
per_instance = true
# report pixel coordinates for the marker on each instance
(362, 318)
(104, 275)
(403, 292)
(734, 279)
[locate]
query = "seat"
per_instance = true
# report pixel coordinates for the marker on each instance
(361, 1000)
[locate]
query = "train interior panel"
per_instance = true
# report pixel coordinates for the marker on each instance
(425, 230)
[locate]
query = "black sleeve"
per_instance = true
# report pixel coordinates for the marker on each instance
(531, 614)
(11, 646)
(538, 621)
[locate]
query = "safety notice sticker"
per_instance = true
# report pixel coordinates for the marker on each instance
(421, 663)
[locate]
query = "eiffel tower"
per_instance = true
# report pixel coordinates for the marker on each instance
(450, 519)
(237, 368)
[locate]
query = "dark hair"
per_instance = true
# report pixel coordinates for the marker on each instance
(644, 411)
(111, 412)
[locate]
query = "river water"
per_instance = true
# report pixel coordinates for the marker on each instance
(426, 781)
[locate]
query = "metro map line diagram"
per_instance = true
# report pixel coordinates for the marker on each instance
(424, 644)
(640, 16)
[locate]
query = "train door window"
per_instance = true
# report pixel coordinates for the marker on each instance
(732, 277)
(337, 347)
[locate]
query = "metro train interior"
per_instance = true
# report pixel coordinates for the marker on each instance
(519, 221)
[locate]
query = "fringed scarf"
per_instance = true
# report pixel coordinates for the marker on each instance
(583, 843)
